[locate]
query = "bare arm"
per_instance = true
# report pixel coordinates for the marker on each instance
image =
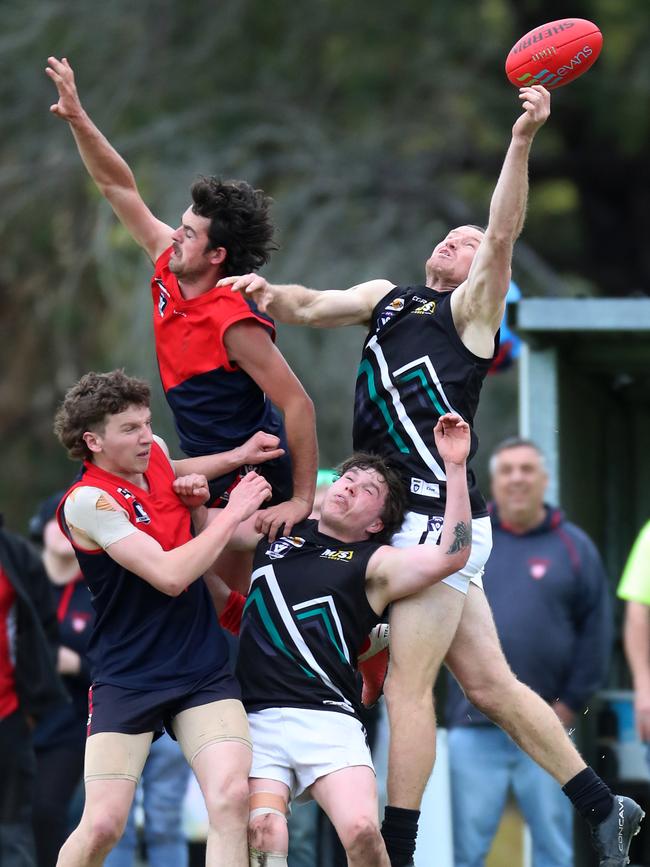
(297, 305)
(261, 447)
(105, 166)
(478, 304)
(636, 642)
(172, 571)
(396, 572)
(250, 345)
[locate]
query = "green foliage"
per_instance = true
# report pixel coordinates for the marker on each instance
(374, 127)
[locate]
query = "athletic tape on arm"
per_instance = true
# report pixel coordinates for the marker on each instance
(88, 509)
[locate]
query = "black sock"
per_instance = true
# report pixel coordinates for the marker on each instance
(400, 830)
(590, 796)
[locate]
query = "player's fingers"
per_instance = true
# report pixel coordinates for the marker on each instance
(275, 528)
(268, 439)
(272, 454)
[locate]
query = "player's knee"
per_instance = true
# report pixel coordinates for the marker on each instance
(104, 831)
(228, 801)
(268, 833)
(361, 838)
(489, 692)
(410, 690)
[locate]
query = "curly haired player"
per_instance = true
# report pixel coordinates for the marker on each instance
(220, 369)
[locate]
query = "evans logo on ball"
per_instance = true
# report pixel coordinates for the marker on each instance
(546, 77)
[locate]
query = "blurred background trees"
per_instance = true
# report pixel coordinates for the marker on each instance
(374, 127)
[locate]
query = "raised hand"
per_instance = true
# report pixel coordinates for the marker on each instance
(279, 520)
(251, 286)
(453, 438)
(248, 495)
(536, 103)
(261, 447)
(69, 105)
(192, 490)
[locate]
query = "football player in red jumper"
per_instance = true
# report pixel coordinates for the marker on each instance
(222, 374)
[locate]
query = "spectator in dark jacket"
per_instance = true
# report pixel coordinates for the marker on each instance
(29, 688)
(549, 597)
(60, 738)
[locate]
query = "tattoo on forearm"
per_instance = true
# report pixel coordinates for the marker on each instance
(462, 537)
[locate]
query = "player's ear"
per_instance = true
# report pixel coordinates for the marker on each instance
(93, 441)
(217, 256)
(376, 527)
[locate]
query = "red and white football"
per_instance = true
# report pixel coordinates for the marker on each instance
(554, 54)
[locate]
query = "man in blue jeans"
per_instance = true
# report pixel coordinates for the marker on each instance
(549, 597)
(163, 784)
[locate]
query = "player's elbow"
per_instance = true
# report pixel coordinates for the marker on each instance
(298, 404)
(169, 582)
(458, 560)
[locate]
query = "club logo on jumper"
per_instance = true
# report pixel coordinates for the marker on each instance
(538, 567)
(79, 620)
(141, 516)
(434, 526)
(426, 309)
(163, 297)
(389, 311)
(548, 77)
(424, 489)
(331, 554)
(282, 546)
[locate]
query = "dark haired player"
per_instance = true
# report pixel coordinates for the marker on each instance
(158, 656)
(427, 352)
(314, 595)
(220, 368)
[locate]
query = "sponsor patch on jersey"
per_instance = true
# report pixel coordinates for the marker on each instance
(424, 489)
(335, 554)
(434, 528)
(426, 309)
(163, 297)
(538, 567)
(389, 311)
(283, 545)
(141, 516)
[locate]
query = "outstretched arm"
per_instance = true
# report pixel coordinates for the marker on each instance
(396, 572)
(258, 449)
(251, 347)
(298, 305)
(478, 304)
(105, 166)
(170, 571)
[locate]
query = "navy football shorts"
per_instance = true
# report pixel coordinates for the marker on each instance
(132, 712)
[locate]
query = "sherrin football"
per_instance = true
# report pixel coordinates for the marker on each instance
(554, 54)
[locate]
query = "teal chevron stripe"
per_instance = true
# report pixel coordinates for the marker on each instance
(256, 597)
(322, 612)
(365, 367)
(419, 374)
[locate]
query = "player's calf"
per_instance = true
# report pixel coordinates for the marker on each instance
(268, 838)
